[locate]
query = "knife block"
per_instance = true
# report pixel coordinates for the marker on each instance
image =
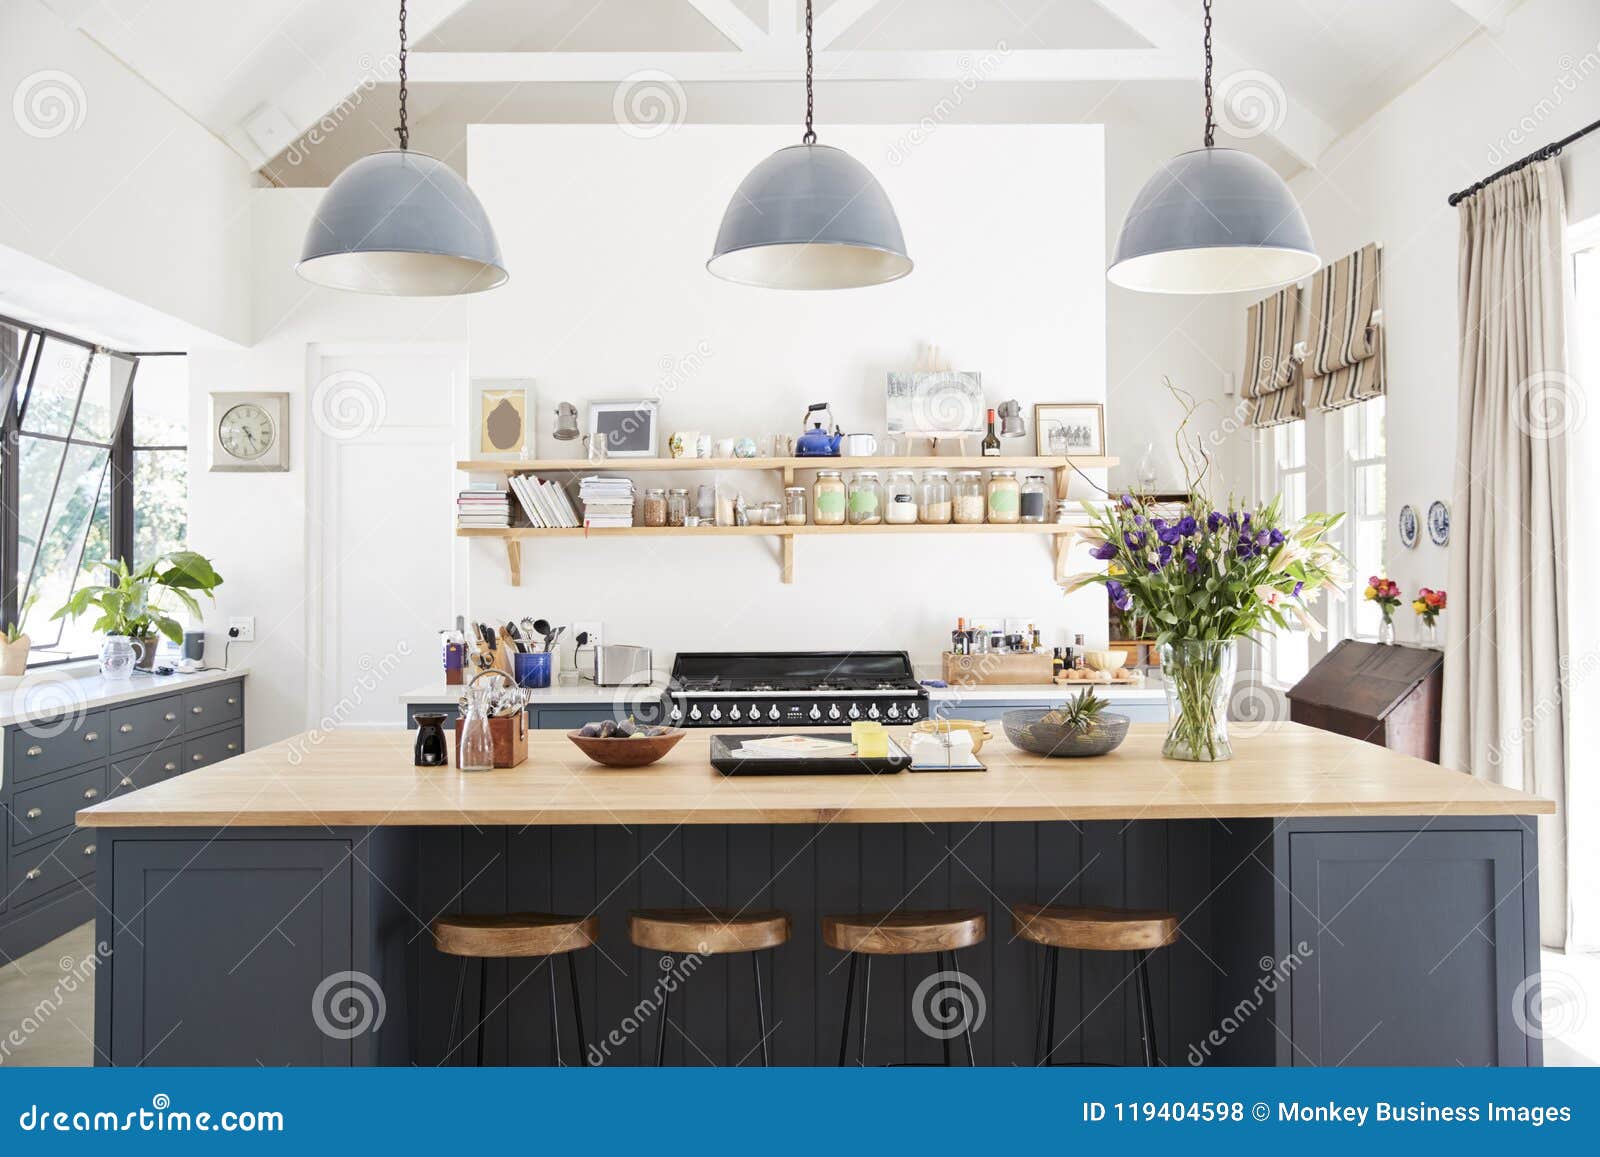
(510, 736)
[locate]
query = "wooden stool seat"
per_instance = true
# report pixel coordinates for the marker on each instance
(514, 934)
(707, 931)
(905, 933)
(1094, 929)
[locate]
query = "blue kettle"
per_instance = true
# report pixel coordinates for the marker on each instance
(816, 442)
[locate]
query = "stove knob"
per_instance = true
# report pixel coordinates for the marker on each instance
(854, 712)
(815, 713)
(677, 712)
(774, 714)
(694, 712)
(733, 713)
(833, 711)
(893, 712)
(716, 713)
(872, 711)
(912, 712)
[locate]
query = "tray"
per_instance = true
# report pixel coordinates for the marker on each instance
(725, 759)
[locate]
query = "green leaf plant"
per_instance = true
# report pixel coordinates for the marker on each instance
(137, 603)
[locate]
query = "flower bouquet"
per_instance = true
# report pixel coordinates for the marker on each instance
(1428, 604)
(1386, 593)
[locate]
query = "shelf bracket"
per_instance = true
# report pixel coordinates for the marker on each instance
(514, 560)
(788, 558)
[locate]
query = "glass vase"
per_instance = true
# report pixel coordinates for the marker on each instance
(475, 748)
(1199, 680)
(117, 657)
(1428, 632)
(1386, 629)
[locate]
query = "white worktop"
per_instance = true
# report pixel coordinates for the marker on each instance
(46, 692)
(586, 692)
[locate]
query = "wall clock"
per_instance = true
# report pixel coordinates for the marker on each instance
(250, 432)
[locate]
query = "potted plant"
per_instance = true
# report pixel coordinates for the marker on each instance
(14, 650)
(1206, 575)
(135, 605)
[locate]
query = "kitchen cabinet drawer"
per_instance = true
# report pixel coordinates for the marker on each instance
(143, 770)
(40, 811)
(211, 706)
(152, 721)
(47, 868)
(209, 749)
(45, 746)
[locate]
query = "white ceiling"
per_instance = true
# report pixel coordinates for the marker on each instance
(263, 74)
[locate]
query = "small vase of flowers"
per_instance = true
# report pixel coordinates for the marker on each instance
(1428, 604)
(1386, 593)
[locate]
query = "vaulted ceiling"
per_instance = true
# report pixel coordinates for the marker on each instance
(301, 87)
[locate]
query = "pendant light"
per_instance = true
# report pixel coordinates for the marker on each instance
(1213, 221)
(401, 223)
(810, 217)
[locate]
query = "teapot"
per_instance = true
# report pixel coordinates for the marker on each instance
(816, 442)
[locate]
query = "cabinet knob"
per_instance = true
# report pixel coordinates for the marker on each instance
(126, 782)
(169, 766)
(90, 736)
(33, 873)
(35, 812)
(91, 793)
(126, 728)
(196, 710)
(34, 749)
(88, 850)
(172, 716)
(231, 701)
(198, 757)
(233, 747)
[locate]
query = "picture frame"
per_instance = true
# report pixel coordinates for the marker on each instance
(934, 403)
(502, 418)
(627, 429)
(1061, 429)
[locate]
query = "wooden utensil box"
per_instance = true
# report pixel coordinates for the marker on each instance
(995, 667)
(510, 735)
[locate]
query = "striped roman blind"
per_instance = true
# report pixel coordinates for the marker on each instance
(1344, 364)
(1272, 374)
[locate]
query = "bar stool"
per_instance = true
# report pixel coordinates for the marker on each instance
(517, 935)
(1094, 930)
(872, 934)
(709, 932)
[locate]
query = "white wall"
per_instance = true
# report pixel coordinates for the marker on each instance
(108, 182)
(606, 237)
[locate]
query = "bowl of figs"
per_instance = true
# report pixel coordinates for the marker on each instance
(625, 744)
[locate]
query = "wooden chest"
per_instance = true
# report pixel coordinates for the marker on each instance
(1380, 692)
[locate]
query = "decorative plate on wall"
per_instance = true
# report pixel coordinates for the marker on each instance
(1408, 526)
(1439, 523)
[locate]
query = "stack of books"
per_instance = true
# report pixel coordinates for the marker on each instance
(544, 502)
(483, 506)
(606, 501)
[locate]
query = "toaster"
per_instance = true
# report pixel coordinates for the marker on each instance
(619, 665)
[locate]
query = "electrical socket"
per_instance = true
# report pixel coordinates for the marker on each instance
(246, 628)
(578, 628)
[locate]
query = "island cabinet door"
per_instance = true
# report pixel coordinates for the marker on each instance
(1410, 947)
(219, 949)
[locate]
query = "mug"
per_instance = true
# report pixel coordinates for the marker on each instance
(532, 669)
(683, 444)
(859, 446)
(724, 448)
(702, 445)
(777, 446)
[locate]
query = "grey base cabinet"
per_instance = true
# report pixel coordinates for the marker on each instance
(56, 766)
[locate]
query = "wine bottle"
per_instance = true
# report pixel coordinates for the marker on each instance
(991, 440)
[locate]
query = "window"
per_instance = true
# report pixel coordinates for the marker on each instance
(93, 466)
(1287, 654)
(1365, 523)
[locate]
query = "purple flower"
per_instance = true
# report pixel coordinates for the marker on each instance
(1296, 592)
(1276, 537)
(1214, 520)
(1170, 536)
(1263, 539)
(1120, 598)
(1244, 523)
(1165, 555)
(1187, 525)
(1159, 523)
(1191, 560)
(1134, 540)
(1245, 549)
(1127, 502)
(1104, 551)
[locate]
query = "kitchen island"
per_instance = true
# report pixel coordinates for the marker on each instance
(1339, 904)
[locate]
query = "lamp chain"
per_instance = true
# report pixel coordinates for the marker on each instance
(403, 131)
(1211, 128)
(811, 135)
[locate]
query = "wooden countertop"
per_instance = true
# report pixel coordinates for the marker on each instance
(366, 778)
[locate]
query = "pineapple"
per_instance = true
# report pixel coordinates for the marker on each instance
(1079, 714)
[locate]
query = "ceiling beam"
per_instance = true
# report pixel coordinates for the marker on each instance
(840, 15)
(1062, 65)
(1175, 27)
(729, 19)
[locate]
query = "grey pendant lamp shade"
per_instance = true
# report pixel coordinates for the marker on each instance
(1213, 221)
(401, 223)
(810, 216)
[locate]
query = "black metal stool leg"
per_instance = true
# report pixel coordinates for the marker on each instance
(1050, 1022)
(966, 1022)
(450, 1042)
(1044, 995)
(483, 1003)
(661, 1029)
(555, 1015)
(1147, 1017)
(849, 995)
(866, 1002)
(938, 967)
(761, 1012)
(577, 1011)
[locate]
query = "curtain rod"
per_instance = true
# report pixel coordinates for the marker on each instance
(1551, 150)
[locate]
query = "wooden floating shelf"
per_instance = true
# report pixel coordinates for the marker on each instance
(630, 465)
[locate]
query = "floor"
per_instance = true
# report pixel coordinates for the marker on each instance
(52, 1014)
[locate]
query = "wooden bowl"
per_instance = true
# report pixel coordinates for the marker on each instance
(1107, 661)
(619, 752)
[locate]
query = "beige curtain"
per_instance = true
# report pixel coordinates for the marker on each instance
(1505, 712)
(1272, 377)
(1345, 364)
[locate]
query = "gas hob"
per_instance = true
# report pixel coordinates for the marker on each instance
(793, 689)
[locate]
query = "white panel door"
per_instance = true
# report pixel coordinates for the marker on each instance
(381, 509)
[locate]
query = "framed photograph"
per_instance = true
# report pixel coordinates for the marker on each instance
(626, 429)
(1076, 428)
(935, 403)
(502, 419)
(250, 432)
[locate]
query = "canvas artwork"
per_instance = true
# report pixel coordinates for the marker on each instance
(935, 402)
(503, 421)
(1077, 428)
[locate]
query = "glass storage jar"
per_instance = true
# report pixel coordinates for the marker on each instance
(969, 496)
(1005, 496)
(772, 513)
(900, 498)
(655, 507)
(934, 504)
(1035, 498)
(866, 499)
(794, 505)
(677, 506)
(828, 499)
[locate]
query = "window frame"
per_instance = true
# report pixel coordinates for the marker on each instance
(1353, 464)
(119, 469)
(1272, 479)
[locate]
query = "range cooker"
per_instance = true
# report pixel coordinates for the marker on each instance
(793, 689)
